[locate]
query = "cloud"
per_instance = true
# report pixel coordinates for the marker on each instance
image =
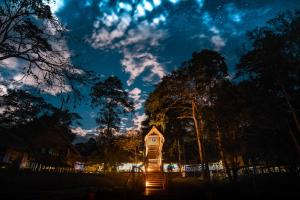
(143, 35)
(9, 63)
(102, 37)
(136, 63)
(135, 94)
(200, 36)
(55, 6)
(137, 121)
(79, 131)
(39, 82)
(214, 30)
(218, 42)
(131, 35)
(200, 3)
(3, 90)
(83, 135)
(233, 13)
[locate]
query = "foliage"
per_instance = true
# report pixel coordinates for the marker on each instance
(34, 37)
(113, 102)
(275, 66)
(20, 107)
(242, 122)
(24, 113)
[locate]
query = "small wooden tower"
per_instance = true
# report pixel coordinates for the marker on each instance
(154, 141)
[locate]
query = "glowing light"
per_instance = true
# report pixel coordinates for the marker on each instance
(157, 2)
(147, 183)
(125, 6)
(148, 6)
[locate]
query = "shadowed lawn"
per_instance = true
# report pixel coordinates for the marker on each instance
(27, 185)
(46, 186)
(275, 186)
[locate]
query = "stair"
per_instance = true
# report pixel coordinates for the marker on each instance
(155, 180)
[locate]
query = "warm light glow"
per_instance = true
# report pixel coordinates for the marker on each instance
(147, 183)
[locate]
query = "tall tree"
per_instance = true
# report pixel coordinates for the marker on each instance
(273, 63)
(20, 107)
(113, 102)
(187, 91)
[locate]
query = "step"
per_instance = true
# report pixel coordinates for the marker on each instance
(159, 185)
(155, 180)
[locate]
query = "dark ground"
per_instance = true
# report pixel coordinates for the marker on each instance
(45, 186)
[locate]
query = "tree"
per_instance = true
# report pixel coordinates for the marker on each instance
(20, 107)
(113, 102)
(187, 92)
(273, 64)
(31, 34)
(131, 143)
(24, 113)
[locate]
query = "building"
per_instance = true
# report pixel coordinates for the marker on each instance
(13, 151)
(154, 141)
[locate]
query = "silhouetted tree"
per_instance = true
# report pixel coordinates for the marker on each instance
(26, 114)
(186, 92)
(113, 102)
(273, 64)
(20, 107)
(32, 35)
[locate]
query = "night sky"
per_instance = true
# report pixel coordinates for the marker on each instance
(141, 41)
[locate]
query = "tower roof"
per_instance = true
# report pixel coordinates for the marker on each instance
(155, 131)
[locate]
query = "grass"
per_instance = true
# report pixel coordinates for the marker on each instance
(46, 186)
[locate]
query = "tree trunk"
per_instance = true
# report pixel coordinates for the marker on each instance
(292, 109)
(179, 156)
(198, 136)
(206, 166)
(222, 154)
(294, 140)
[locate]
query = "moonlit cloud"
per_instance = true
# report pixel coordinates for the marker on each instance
(234, 14)
(139, 118)
(135, 94)
(3, 90)
(57, 87)
(140, 11)
(56, 5)
(134, 40)
(200, 3)
(137, 63)
(206, 18)
(214, 30)
(174, 1)
(156, 2)
(148, 6)
(9, 63)
(102, 37)
(79, 131)
(218, 42)
(125, 6)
